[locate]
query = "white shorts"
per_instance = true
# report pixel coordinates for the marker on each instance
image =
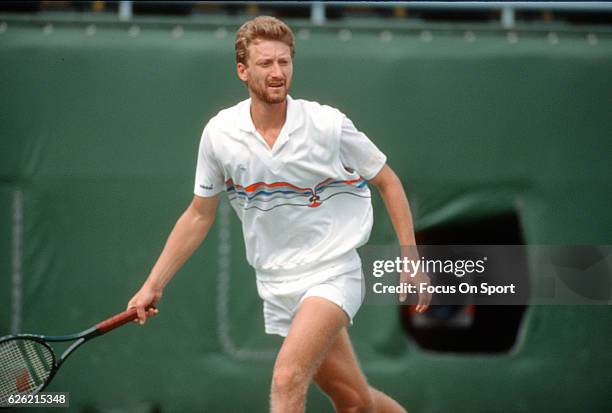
(282, 298)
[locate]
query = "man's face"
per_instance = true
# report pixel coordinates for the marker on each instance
(268, 71)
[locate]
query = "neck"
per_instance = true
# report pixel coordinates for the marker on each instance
(268, 115)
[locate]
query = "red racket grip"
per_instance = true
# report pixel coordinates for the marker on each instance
(117, 321)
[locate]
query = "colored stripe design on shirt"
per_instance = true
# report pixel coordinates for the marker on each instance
(266, 196)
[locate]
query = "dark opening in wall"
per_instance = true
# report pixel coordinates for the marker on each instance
(470, 328)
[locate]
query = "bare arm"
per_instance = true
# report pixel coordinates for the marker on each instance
(396, 202)
(186, 236)
(392, 192)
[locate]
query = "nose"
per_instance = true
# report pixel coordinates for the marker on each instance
(276, 70)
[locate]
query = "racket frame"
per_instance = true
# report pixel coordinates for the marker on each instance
(78, 338)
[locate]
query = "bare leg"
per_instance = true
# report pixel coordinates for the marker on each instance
(313, 330)
(340, 377)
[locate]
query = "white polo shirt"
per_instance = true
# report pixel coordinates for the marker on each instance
(304, 204)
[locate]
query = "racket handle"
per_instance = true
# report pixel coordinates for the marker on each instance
(116, 321)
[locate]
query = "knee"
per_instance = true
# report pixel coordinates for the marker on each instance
(347, 399)
(359, 406)
(362, 403)
(287, 379)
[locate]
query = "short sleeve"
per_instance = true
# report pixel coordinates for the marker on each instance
(357, 151)
(209, 175)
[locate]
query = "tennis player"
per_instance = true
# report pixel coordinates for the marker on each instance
(296, 173)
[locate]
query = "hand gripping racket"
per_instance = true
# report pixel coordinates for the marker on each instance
(28, 363)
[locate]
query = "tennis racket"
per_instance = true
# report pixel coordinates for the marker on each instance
(28, 363)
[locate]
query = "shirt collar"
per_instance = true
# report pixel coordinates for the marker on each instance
(292, 122)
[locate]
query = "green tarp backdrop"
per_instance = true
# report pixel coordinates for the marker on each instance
(98, 138)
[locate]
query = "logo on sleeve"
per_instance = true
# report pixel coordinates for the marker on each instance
(207, 187)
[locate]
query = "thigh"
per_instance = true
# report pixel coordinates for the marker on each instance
(340, 376)
(313, 330)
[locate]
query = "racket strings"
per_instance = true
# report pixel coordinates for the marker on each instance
(24, 366)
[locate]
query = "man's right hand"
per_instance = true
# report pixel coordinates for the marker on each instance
(144, 302)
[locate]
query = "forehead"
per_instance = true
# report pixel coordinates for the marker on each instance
(261, 48)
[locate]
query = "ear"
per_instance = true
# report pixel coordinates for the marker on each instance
(241, 70)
